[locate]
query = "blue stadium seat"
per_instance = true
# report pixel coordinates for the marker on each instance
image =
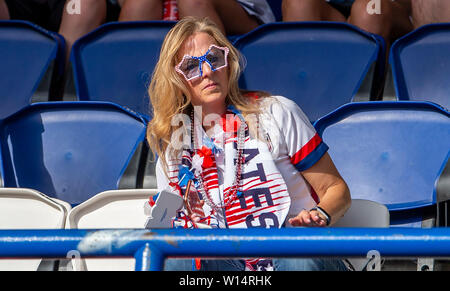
(115, 62)
(319, 65)
(390, 152)
(420, 64)
(26, 52)
(69, 150)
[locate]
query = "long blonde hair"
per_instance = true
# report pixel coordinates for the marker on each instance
(168, 93)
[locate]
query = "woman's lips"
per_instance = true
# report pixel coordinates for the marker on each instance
(210, 86)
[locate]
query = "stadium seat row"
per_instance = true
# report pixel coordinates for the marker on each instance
(22, 208)
(389, 152)
(28, 209)
(118, 210)
(320, 65)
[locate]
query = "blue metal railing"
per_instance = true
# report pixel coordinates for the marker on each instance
(151, 247)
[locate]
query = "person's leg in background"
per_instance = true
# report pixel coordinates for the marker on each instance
(430, 11)
(231, 18)
(310, 10)
(4, 13)
(402, 23)
(373, 21)
(140, 10)
(382, 17)
(93, 13)
(73, 25)
(390, 19)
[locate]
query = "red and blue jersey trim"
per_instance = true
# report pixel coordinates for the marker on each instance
(309, 154)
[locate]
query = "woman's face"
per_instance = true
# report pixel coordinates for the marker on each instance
(211, 89)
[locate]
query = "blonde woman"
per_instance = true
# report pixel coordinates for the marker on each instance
(250, 160)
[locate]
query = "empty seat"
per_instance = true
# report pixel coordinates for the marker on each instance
(420, 63)
(26, 52)
(364, 213)
(390, 152)
(28, 209)
(111, 209)
(319, 65)
(69, 150)
(115, 62)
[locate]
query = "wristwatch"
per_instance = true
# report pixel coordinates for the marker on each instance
(323, 212)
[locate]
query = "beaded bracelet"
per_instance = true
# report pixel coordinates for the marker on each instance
(323, 212)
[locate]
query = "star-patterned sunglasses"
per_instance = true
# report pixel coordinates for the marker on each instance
(192, 67)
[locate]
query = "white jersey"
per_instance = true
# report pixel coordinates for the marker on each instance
(273, 186)
(296, 148)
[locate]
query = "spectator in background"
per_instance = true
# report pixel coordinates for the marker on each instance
(75, 18)
(45, 13)
(93, 13)
(387, 18)
(4, 14)
(430, 11)
(140, 10)
(232, 17)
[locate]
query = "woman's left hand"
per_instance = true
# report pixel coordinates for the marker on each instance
(308, 218)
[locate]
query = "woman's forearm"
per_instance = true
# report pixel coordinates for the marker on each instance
(336, 201)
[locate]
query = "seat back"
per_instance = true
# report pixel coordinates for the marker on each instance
(363, 213)
(306, 62)
(28, 209)
(115, 62)
(389, 152)
(26, 52)
(111, 209)
(69, 150)
(421, 65)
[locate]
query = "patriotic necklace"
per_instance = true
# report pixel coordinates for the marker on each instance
(233, 191)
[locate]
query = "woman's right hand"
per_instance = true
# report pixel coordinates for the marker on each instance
(309, 219)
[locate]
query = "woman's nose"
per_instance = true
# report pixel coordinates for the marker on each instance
(206, 70)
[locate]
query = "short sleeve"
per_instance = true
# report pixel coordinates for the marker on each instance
(305, 146)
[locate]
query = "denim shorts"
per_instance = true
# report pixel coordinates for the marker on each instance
(206, 265)
(316, 264)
